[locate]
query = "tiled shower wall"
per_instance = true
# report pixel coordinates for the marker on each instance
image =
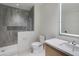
(14, 22)
(7, 37)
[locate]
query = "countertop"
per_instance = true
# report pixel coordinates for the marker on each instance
(56, 43)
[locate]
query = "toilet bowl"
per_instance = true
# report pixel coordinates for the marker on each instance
(38, 46)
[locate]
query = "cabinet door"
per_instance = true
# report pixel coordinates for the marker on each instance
(3, 13)
(50, 51)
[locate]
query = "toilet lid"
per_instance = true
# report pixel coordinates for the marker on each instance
(36, 44)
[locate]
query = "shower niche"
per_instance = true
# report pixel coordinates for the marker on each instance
(12, 21)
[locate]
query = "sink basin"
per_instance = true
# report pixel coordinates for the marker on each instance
(73, 49)
(66, 46)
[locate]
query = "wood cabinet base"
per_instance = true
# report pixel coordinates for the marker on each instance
(50, 51)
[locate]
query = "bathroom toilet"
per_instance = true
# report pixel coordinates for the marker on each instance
(38, 46)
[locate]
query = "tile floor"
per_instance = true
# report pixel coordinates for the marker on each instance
(39, 52)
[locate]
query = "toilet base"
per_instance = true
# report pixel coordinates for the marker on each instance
(37, 49)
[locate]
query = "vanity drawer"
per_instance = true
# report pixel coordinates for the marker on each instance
(50, 51)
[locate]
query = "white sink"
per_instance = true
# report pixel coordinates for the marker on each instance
(73, 49)
(66, 46)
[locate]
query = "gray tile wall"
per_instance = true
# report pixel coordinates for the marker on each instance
(7, 37)
(11, 24)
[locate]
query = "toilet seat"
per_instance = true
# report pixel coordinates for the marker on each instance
(36, 44)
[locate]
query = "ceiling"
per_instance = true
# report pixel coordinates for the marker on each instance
(25, 6)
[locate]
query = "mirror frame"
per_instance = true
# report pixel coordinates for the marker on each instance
(60, 26)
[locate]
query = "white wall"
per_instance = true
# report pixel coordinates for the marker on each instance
(26, 38)
(49, 19)
(49, 24)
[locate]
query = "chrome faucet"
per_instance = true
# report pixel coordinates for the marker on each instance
(73, 42)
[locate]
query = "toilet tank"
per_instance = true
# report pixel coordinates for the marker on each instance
(42, 39)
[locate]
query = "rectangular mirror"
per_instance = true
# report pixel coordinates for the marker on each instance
(69, 19)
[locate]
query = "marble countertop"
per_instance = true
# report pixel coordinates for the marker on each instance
(56, 43)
